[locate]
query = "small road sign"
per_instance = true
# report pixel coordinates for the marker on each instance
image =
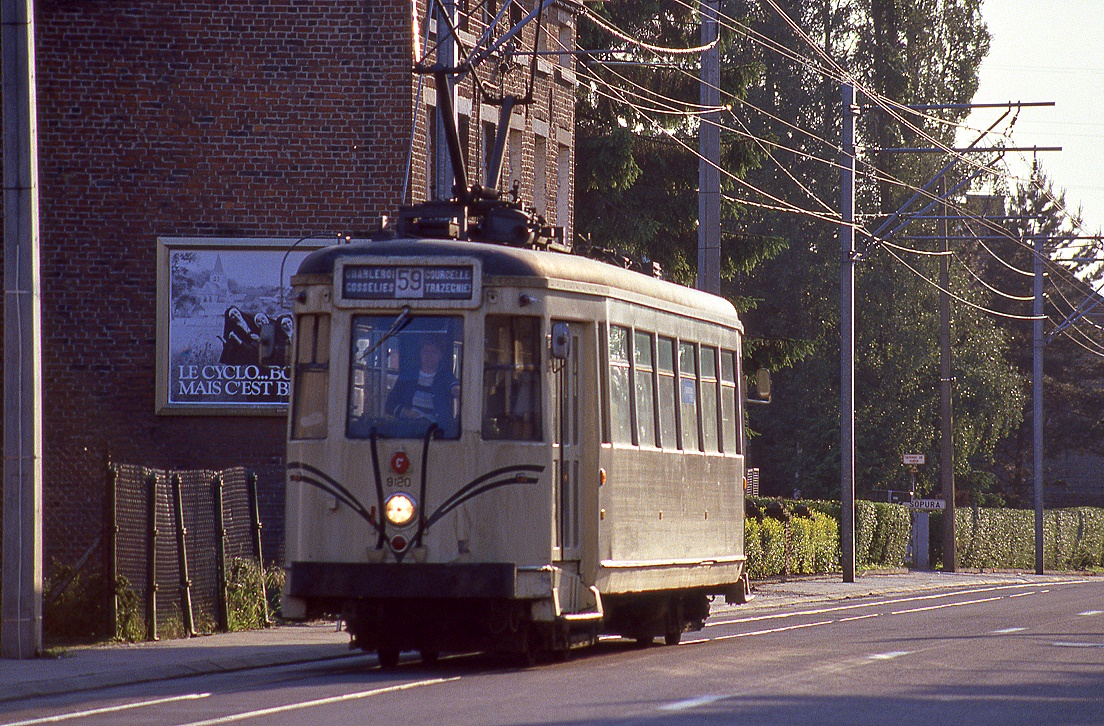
(913, 459)
(928, 505)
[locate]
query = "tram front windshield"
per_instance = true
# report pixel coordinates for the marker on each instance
(405, 376)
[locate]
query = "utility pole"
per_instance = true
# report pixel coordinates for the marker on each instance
(847, 337)
(447, 56)
(1037, 402)
(709, 172)
(21, 632)
(946, 458)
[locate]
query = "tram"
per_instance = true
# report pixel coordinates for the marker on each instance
(509, 449)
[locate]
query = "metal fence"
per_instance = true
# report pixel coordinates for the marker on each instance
(175, 535)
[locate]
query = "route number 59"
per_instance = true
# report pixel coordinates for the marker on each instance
(408, 282)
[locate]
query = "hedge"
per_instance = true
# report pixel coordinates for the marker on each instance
(1073, 539)
(809, 542)
(811, 538)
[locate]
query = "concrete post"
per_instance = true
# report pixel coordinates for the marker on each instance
(21, 632)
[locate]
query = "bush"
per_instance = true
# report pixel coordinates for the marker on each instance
(1073, 539)
(247, 586)
(800, 545)
(76, 610)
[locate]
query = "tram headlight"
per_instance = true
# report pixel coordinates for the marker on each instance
(399, 509)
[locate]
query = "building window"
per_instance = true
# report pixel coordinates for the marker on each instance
(540, 174)
(490, 10)
(563, 186)
(463, 131)
(515, 159)
(488, 150)
(566, 45)
(431, 152)
(463, 13)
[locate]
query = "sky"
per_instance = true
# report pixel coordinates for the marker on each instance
(1052, 50)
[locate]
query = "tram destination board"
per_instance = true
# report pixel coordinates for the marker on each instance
(408, 282)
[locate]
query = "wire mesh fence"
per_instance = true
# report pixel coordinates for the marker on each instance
(176, 535)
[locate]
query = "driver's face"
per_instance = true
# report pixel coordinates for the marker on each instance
(431, 357)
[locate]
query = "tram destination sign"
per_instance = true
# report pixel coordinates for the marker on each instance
(408, 282)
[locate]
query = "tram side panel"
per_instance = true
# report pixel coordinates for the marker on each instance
(672, 508)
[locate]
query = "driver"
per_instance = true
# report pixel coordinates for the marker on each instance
(430, 396)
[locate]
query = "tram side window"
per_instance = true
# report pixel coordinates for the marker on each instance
(665, 366)
(709, 392)
(512, 378)
(643, 378)
(688, 396)
(728, 402)
(310, 408)
(620, 391)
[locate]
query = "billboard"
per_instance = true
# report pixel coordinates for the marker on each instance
(224, 323)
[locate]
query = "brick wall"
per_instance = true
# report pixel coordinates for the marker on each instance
(274, 119)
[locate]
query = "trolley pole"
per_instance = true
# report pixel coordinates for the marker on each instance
(847, 338)
(447, 56)
(709, 171)
(21, 632)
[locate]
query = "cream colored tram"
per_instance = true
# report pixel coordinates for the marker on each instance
(494, 448)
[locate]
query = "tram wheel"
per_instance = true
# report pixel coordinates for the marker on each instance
(429, 657)
(672, 638)
(643, 641)
(388, 657)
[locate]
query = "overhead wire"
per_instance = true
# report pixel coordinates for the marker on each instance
(784, 206)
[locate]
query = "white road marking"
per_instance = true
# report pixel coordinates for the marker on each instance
(320, 702)
(107, 709)
(947, 605)
(889, 656)
(1091, 612)
(690, 703)
(1006, 631)
(1022, 594)
(1079, 645)
(896, 601)
(858, 617)
(694, 642)
(773, 630)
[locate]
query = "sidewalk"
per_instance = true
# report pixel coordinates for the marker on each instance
(90, 667)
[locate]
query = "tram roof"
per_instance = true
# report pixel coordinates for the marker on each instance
(503, 261)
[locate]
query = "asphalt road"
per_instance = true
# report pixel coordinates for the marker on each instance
(1000, 654)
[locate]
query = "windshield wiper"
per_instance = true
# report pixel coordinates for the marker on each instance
(401, 322)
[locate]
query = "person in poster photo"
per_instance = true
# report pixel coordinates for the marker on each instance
(240, 345)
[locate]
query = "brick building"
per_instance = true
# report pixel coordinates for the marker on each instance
(272, 120)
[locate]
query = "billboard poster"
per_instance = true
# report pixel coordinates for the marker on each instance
(225, 324)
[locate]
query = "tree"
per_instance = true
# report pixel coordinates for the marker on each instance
(637, 170)
(1073, 382)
